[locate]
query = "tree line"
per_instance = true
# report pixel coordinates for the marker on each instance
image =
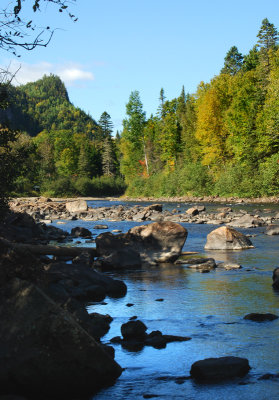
(221, 140)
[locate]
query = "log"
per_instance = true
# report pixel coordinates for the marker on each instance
(41, 249)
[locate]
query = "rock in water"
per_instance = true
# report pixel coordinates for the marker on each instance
(275, 278)
(44, 351)
(272, 230)
(247, 221)
(212, 369)
(225, 238)
(80, 231)
(261, 317)
(156, 242)
(76, 206)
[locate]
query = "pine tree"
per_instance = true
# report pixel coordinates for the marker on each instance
(268, 35)
(162, 99)
(106, 125)
(233, 61)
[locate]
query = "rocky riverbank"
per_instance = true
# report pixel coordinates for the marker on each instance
(50, 346)
(47, 210)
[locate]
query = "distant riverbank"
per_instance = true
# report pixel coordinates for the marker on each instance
(176, 199)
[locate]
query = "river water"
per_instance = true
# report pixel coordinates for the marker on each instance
(207, 307)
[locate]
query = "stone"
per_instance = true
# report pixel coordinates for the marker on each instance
(229, 266)
(261, 317)
(226, 238)
(154, 207)
(272, 230)
(275, 278)
(247, 221)
(79, 231)
(192, 211)
(89, 284)
(76, 206)
(100, 226)
(214, 369)
(156, 242)
(44, 350)
(133, 330)
(205, 266)
(120, 259)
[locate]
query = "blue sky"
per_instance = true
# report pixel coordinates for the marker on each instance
(118, 46)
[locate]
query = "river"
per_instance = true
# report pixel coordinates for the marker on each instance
(208, 307)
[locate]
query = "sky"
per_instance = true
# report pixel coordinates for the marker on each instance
(118, 46)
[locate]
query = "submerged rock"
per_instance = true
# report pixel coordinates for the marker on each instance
(229, 266)
(261, 317)
(214, 369)
(225, 238)
(43, 350)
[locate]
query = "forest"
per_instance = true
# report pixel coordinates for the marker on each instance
(61, 149)
(221, 140)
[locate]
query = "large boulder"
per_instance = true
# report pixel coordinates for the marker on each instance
(76, 206)
(44, 352)
(82, 282)
(156, 242)
(247, 221)
(225, 238)
(212, 369)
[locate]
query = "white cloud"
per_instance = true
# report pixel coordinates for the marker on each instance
(69, 73)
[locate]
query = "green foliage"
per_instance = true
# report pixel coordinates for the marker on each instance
(191, 179)
(45, 105)
(233, 61)
(223, 139)
(60, 187)
(98, 187)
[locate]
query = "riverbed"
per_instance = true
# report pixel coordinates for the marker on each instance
(208, 307)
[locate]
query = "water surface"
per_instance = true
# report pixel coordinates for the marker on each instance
(207, 307)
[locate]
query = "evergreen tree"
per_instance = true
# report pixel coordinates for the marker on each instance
(106, 125)
(267, 42)
(162, 99)
(268, 35)
(108, 157)
(251, 60)
(132, 140)
(233, 61)
(84, 161)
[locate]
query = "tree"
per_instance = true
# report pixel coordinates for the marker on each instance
(162, 99)
(108, 157)
(268, 35)
(268, 38)
(251, 60)
(132, 140)
(16, 32)
(106, 125)
(233, 61)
